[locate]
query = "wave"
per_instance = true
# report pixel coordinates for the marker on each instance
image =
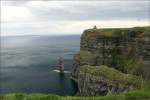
(59, 71)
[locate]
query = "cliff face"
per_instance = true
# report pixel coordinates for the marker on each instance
(105, 46)
(127, 50)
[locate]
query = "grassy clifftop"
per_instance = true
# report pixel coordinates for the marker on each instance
(104, 32)
(115, 32)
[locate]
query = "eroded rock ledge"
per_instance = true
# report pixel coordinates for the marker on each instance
(103, 80)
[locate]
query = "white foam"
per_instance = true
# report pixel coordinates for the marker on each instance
(56, 71)
(59, 71)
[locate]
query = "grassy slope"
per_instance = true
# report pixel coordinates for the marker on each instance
(142, 94)
(113, 76)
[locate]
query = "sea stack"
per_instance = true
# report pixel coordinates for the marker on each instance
(61, 65)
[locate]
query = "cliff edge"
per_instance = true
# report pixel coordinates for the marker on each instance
(125, 50)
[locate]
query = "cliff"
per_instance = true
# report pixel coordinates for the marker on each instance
(126, 50)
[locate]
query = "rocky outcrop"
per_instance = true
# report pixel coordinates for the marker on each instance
(127, 50)
(102, 80)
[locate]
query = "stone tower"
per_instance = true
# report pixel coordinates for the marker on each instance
(95, 27)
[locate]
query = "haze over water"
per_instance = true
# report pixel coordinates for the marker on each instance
(27, 64)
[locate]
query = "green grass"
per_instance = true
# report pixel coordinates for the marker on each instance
(142, 94)
(113, 76)
(128, 64)
(101, 33)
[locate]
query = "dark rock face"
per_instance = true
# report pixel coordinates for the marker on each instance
(103, 80)
(143, 50)
(91, 85)
(103, 48)
(136, 44)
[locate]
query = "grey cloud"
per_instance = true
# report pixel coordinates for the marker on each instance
(95, 11)
(46, 17)
(88, 10)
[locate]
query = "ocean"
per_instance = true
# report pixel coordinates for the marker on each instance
(28, 64)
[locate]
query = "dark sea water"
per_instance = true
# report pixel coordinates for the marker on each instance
(27, 64)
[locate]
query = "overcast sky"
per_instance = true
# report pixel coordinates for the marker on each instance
(70, 17)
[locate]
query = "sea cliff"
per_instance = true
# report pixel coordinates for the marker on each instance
(125, 51)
